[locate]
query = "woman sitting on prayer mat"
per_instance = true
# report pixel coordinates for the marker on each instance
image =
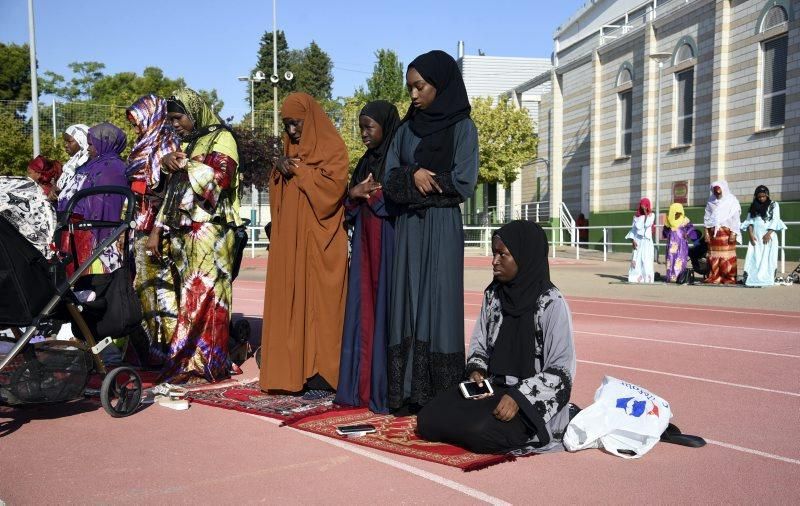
(522, 344)
(678, 231)
(762, 225)
(362, 371)
(722, 224)
(641, 236)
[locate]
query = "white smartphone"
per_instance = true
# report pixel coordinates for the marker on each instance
(470, 389)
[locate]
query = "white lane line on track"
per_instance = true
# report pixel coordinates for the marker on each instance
(666, 341)
(590, 300)
(759, 330)
(440, 480)
(753, 452)
(683, 376)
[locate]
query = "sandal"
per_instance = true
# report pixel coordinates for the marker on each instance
(171, 391)
(672, 434)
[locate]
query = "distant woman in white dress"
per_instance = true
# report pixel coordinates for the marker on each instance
(641, 236)
(762, 224)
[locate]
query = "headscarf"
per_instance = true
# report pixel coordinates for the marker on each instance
(207, 135)
(515, 346)
(435, 123)
(320, 144)
(78, 132)
(374, 160)
(645, 204)
(106, 169)
(723, 212)
(48, 170)
(759, 209)
(672, 220)
(149, 113)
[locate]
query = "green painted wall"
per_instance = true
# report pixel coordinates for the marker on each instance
(790, 211)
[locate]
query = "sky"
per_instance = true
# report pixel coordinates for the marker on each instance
(211, 43)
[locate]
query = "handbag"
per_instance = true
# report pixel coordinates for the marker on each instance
(116, 310)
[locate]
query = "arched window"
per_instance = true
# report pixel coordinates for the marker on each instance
(773, 32)
(625, 76)
(684, 53)
(683, 58)
(624, 110)
(774, 16)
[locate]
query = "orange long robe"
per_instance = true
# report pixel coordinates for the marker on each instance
(306, 278)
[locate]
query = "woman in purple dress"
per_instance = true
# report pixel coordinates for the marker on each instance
(678, 231)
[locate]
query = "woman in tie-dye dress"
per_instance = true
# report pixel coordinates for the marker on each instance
(199, 211)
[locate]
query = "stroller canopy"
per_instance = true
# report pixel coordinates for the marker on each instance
(24, 205)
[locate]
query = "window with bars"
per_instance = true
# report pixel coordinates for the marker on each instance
(773, 102)
(684, 108)
(775, 16)
(625, 122)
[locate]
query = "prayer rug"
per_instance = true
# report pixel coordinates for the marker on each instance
(248, 398)
(396, 435)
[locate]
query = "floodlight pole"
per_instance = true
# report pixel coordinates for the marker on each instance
(34, 84)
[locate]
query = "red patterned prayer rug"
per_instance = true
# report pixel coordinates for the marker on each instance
(396, 435)
(248, 398)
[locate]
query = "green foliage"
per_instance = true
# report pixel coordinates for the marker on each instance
(16, 146)
(506, 139)
(256, 152)
(15, 72)
(122, 89)
(388, 80)
(314, 73)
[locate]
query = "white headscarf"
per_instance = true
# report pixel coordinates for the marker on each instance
(78, 132)
(722, 212)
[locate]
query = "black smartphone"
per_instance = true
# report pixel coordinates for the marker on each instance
(346, 430)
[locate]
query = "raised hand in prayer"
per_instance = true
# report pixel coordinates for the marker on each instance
(173, 162)
(506, 409)
(364, 189)
(425, 183)
(286, 166)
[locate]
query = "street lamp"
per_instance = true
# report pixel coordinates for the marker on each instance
(255, 78)
(659, 58)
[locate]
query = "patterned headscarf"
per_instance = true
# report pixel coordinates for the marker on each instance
(208, 127)
(78, 132)
(48, 170)
(149, 113)
(724, 211)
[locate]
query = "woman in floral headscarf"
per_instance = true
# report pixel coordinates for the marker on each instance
(199, 211)
(722, 224)
(154, 281)
(76, 143)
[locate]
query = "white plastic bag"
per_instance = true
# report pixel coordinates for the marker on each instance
(625, 419)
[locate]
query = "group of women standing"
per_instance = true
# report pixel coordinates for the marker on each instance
(182, 170)
(723, 231)
(390, 335)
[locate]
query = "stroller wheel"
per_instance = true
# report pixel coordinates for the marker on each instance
(121, 392)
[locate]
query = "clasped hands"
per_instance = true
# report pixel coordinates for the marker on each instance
(506, 409)
(364, 189)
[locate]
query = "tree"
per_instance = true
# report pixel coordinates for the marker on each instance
(314, 73)
(16, 145)
(15, 73)
(388, 80)
(85, 76)
(506, 139)
(263, 91)
(256, 152)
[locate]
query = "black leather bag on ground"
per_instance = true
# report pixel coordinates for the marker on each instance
(116, 311)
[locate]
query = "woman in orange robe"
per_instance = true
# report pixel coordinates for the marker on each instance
(307, 268)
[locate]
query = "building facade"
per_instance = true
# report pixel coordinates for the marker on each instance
(722, 77)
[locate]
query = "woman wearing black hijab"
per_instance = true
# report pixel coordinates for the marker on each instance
(522, 344)
(362, 368)
(431, 167)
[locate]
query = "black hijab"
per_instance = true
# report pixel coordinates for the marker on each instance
(373, 161)
(759, 209)
(514, 349)
(435, 124)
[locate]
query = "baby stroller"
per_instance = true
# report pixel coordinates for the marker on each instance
(698, 251)
(56, 371)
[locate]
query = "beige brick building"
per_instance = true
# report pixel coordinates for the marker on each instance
(729, 105)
